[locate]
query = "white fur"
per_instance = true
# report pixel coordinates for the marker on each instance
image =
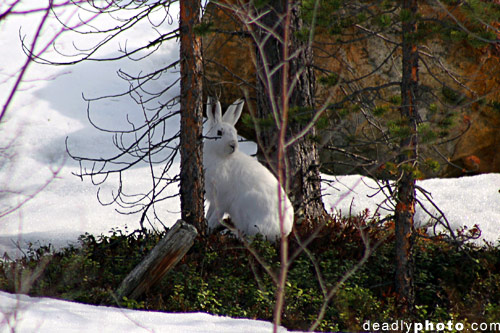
(237, 184)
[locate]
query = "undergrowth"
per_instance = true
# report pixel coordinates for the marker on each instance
(220, 276)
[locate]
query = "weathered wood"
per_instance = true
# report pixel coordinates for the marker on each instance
(165, 255)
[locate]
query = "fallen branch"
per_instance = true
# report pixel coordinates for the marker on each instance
(164, 256)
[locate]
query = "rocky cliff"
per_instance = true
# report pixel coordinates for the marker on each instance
(459, 80)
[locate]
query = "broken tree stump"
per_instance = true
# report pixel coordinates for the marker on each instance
(164, 256)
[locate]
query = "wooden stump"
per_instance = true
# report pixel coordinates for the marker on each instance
(164, 256)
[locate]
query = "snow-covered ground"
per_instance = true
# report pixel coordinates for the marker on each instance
(49, 107)
(27, 314)
(465, 201)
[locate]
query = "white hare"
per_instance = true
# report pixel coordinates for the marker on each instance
(237, 184)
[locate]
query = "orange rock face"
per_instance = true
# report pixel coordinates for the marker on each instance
(470, 74)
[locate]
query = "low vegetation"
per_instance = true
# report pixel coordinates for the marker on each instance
(220, 276)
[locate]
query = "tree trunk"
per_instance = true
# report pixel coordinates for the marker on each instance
(405, 207)
(302, 158)
(191, 139)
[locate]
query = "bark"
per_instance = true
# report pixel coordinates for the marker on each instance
(302, 158)
(405, 207)
(191, 174)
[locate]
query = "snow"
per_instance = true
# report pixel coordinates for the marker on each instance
(465, 201)
(28, 314)
(49, 108)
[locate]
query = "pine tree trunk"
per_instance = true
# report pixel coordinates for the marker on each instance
(191, 174)
(302, 158)
(405, 207)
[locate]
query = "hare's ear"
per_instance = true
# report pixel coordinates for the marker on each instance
(218, 113)
(210, 116)
(233, 112)
(213, 116)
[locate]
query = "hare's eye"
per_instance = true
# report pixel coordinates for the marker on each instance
(219, 132)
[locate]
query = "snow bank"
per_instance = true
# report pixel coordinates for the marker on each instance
(465, 201)
(20, 313)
